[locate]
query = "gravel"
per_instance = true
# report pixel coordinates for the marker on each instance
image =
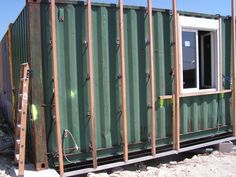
(216, 164)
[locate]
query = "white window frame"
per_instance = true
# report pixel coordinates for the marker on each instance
(200, 24)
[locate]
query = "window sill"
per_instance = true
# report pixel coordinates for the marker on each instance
(202, 93)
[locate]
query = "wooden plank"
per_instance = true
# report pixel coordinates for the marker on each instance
(123, 80)
(38, 129)
(55, 75)
(176, 115)
(9, 38)
(152, 83)
(220, 54)
(165, 97)
(234, 66)
(91, 88)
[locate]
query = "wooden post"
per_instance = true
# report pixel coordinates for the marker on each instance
(176, 106)
(220, 54)
(152, 83)
(234, 67)
(9, 38)
(91, 88)
(123, 80)
(55, 74)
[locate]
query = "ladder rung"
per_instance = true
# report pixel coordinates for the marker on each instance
(17, 156)
(23, 64)
(24, 78)
(18, 141)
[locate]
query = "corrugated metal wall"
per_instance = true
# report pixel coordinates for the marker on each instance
(20, 47)
(20, 54)
(1, 81)
(208, 113)
(7, 88)
(200, 116)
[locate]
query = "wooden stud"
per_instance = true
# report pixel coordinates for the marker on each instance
(91, 88)
(176, 112)
(220, 54)
(165, 97)
(152, 84)
(234, 67)
(123, 80)
(55, 75)
(9, 38)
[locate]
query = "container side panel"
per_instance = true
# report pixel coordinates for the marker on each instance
(212, 112)
(19, 47)
(162, 53)
(198, 114)
(1, 82)
(6, 82)
(226, 54)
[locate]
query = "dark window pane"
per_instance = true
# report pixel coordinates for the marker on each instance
(207, 60)
(189, 59)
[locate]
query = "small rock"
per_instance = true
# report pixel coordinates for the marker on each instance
(173, 162)
(151, 168)
(114, 175)
(90, 174)
(117, 170)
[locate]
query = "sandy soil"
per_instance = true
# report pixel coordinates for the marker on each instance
(216, 164)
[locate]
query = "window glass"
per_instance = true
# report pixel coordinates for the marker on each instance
(189, 59)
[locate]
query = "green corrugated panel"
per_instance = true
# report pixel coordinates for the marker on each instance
(226, 53)
(73, 73)
(198, 114)
(20, 47)
(20, 54)
(205, 113)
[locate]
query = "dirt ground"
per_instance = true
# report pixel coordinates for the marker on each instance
(216, 164)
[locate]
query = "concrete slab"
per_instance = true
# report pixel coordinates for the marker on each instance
(225, 147)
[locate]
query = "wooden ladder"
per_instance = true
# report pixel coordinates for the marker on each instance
(20, 130)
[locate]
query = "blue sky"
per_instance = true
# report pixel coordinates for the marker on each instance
(10, 9)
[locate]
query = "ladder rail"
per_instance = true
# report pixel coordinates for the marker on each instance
(20, 133)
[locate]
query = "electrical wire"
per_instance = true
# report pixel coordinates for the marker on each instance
(66, 132)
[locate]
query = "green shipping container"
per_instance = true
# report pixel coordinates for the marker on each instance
(201, 117)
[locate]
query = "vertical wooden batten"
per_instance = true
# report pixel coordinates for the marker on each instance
(220, 54)
(36, 98)
(234, 66)
(91, 76)
(55, 74)
(123, 80)
(9, 38)
(176, 106)
(152, 84)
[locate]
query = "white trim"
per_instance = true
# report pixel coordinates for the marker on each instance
(194, 89)
(200, 24)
